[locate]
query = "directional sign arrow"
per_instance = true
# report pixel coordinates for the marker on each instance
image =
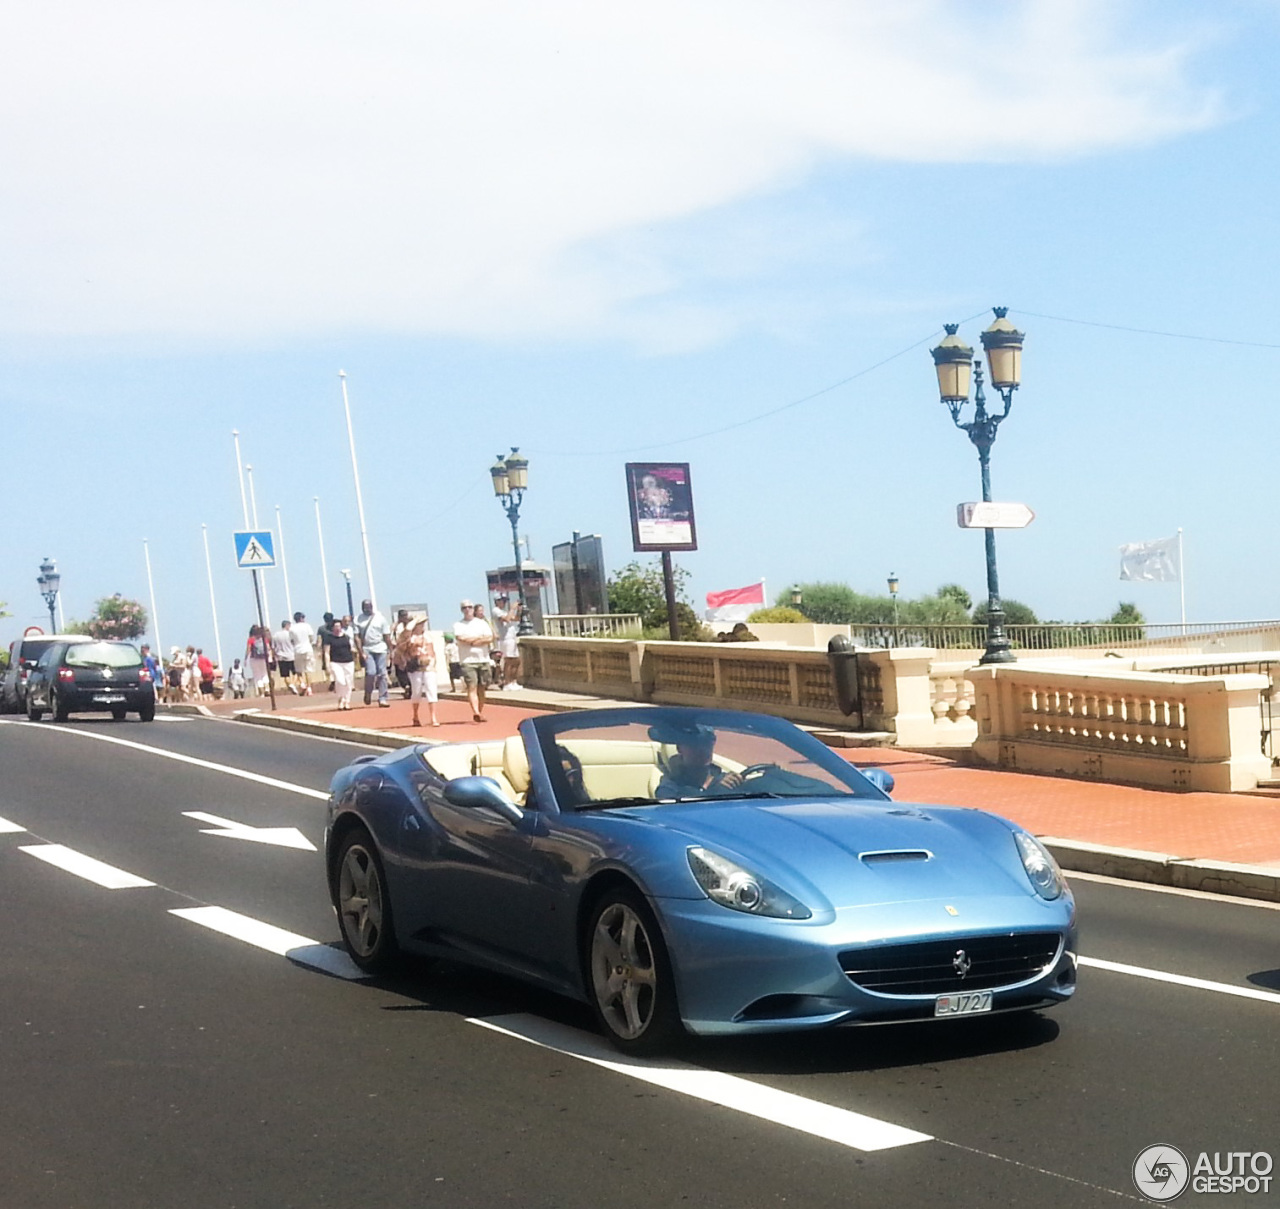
(284, 837)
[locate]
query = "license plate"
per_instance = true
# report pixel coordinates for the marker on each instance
(108, 698)
(964, 1003)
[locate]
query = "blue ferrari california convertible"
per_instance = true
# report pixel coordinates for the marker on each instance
(688, 870)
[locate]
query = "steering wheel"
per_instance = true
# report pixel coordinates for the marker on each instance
(756, 770)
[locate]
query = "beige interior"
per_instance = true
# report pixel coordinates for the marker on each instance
(611, 768)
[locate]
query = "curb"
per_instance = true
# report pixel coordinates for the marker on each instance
(187, 707)
(326, 730)
(1260, 882)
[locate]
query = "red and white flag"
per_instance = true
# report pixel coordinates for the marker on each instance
(735, 604)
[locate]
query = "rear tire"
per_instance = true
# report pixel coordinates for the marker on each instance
(118, 712)
(147, 713)
(33, 714)
(58, 707)
(628, 974)
(364, 905)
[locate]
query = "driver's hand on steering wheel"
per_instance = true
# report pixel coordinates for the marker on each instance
(731, 780)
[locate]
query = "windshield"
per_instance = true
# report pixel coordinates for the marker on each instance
(103, 654)
(630, 757)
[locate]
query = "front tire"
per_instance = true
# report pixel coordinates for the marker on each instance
(364, 906)
(629, 981)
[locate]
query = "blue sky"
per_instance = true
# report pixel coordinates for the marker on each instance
(600, 232)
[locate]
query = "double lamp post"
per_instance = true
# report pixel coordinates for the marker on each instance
(510, 481)
(953, 360)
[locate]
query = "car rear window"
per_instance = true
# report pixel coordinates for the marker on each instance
(103, 654)
(33, 648)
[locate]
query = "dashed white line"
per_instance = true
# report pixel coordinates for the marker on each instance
(839, 1125)
(107, 876)
(300, 949)
(7, 828)
(173, 755)
(1183, 980)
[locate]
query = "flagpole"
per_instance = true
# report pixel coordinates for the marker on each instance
(284, 564)
(324, 570)
(155, 617)
(1182, 583)
(355, 474)
(266, 600)
(213, 604)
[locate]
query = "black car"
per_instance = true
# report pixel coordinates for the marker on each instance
(78, 677)
(24, 654)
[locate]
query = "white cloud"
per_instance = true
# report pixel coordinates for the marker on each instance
(247, 170)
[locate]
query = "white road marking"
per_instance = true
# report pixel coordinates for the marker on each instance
(173, 755)
(839, 1125)
(7, 827)
(1184, 980)
(284, 837)
(171, 718)
(300, 949)
(91, 870)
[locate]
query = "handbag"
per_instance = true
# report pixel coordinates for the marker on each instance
(412, 664)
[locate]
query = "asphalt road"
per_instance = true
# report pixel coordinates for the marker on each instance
(149, 1060)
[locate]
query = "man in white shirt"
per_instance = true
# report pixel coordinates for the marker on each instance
(371, 645)
(474, 637)
(282, 649)
(303, 640)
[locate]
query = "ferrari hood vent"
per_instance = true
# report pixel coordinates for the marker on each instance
(899, 854)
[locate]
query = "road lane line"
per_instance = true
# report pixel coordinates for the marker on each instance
(47, 728)
(91, 870)
(1200, 984)
(6, 827)
(1181, 891)
(840, 1125)
(299, 949)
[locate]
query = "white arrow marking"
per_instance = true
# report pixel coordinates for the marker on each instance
(285, 837)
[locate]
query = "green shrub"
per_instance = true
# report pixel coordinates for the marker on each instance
(778, 614)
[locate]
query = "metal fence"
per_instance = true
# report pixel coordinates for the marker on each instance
(1060, 636)
(591, 625)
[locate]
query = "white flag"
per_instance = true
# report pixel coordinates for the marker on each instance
(1159, 561)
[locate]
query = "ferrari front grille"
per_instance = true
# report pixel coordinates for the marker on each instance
(962, 963)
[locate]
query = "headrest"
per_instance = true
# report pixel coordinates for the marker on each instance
(515, 763)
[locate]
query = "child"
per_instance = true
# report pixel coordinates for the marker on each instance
(237, 680)
(454, 660)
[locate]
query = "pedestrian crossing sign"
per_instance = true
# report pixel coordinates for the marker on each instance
(255, 549)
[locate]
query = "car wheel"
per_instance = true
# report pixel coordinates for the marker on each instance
(33, 713)
(629, 981)
(364, 906)
(118, 712)
(58, 707)
(147, 713)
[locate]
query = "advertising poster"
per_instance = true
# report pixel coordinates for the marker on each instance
(660, 496)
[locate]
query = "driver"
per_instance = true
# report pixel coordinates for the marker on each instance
(691, 771)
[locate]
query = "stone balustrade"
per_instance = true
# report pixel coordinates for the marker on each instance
(1173, 731)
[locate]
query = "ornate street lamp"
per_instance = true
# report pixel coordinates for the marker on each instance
(797, 597)
(510, 481)
(893, 594)
(50, 581)
(953, 360)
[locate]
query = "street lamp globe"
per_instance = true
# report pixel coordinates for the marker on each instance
(501, 484)
(953, 360)
(50, 578)
(797, 597)
(517, 470)
(1003, 344)
(893, 584)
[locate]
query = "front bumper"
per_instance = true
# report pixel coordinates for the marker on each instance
(736, 973)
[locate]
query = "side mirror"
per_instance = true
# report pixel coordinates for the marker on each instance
(879, 778)
(482, 792)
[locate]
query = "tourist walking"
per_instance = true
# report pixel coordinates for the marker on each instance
(342, 663)
(474, 636)
(205, 672)
(282, 649)
(303, 646)
(507, 617)
(371, 647)
(325, 635)
(418, 657)
(256, 656)
(236, 680)
(454, 660)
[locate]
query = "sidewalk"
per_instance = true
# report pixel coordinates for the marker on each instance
(1220, 842)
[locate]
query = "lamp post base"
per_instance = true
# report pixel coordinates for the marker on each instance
(998, 654)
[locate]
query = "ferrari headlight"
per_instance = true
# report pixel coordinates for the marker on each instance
(730, 885)
(1042, 869)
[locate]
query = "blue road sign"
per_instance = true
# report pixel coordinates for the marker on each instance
(255, 549)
